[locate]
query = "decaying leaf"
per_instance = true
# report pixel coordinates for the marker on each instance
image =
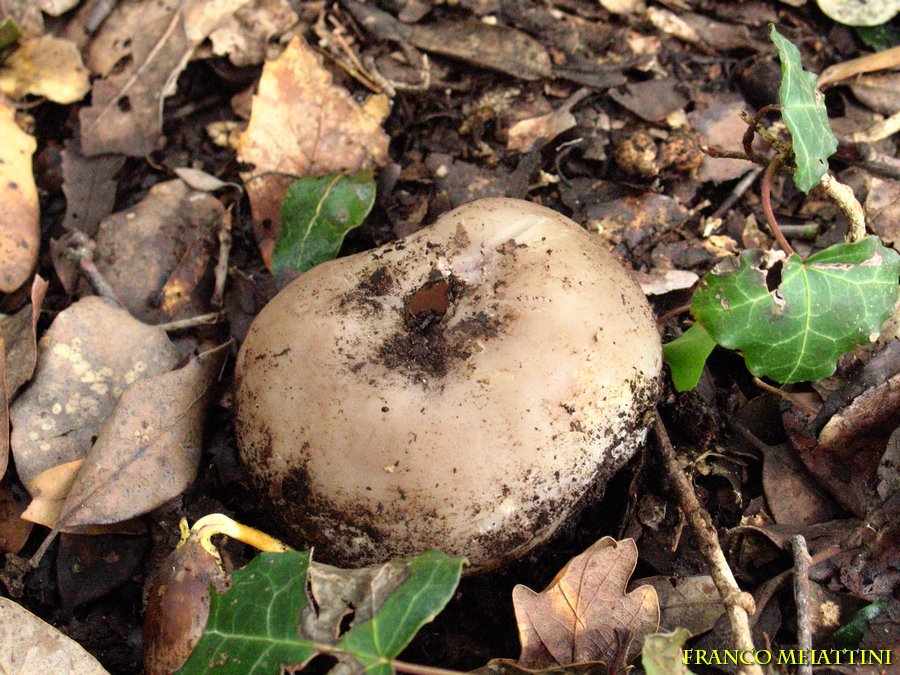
(692, 603)
(29, 645)
(245, 35)
(585, 613)
(524, 133)
(721, 125)
(19, 226)
(139, 52)
(46, 66)
(18, 354)
(14, 531)
(90, 188)
(303, 124)
(139, 249)
(86, 359)
(149, 449)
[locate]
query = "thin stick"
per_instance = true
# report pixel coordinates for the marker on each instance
(81, 251)
(191, 322)
(801, 598)
(739, 189)
(221, 273)
(787, 396)
(738, 605)
(414, 669)
(766, 194)
(675, 311)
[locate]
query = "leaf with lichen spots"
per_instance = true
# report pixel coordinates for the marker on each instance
(793, 319)
(804, 113)
(585, 612)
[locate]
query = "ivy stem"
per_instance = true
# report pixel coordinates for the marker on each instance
(766, 194)
(754, 122)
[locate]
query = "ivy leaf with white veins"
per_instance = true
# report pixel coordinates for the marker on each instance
(804, 113)
(793, 319)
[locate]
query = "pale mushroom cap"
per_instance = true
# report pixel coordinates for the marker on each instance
(478, 434)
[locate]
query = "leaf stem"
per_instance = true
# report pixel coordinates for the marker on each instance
(754, 122)
(766, 194)
(415, 669)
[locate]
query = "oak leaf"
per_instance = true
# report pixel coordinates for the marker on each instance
(585, 613)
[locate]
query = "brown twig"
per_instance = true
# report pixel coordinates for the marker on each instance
(752, 123)
(766, 194)
(739, 189)
(738, 605)
(801, 598)
(675, 311)
(192, 322)
(81, 252)
(221, 273)
(796, 401)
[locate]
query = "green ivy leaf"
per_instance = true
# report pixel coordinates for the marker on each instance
(256, 625)
(662, 654)
(686, 356)
(252, 628)
(792, 318)
(880, 37)
(316, 215)
(433, 579)
(804, 113)
(849, 635)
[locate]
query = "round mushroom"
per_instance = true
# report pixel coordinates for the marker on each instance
(463, 388)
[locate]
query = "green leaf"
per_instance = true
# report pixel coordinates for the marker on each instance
(849, 635)
(433, 579)
(316, 215)
(880, 37)
(686, 356)
(815, 311)
(662, 654)
(10, 33)
(804, 113)
(252, 628)
(256, 626)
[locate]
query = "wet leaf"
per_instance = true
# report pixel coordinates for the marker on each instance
(662, 654)
(19, 230)
(804, 113)
(316, 215)
(686, 356)
(149, 449)
(792, 318)
(303, 124)
(254, 625)
(849, 635)
(92, 351)
(88, 568)
(28, 645)
(585, 613)
(46, 66)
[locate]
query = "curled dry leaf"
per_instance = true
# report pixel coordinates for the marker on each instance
(19, 227)
(585, 613)
(18, 354)
(46, 66)
(303, 124)
(29, 645)
(148, 451)
(91, 352)
(172, 230)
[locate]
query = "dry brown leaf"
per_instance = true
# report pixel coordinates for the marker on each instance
(86, 359)
(20, 235)
(149, 450)
(48, 492)
(18, 354)
(692, 603)
(585, 613)
(46, 66)
(245, 35)
(14, 531)
(544, 128)
(89, 186)
(139, 52)
(721, 126)
(139, 249)
(28, 645)
(303, 124)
